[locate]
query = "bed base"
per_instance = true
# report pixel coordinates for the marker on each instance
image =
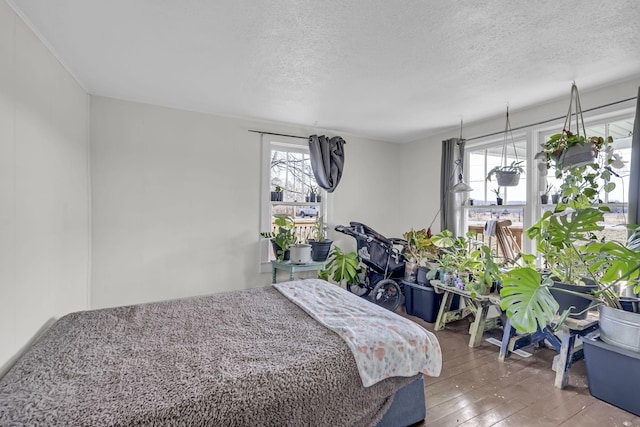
(408, 406)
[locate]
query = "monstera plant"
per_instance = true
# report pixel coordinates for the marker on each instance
(568, 240)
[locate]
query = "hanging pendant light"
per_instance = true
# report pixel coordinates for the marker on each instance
(461, 186)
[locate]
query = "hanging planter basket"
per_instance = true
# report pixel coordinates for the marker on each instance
(507, 175)
(578, 155)
(508, 178)
(569, 150)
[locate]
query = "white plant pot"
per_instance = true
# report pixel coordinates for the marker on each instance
(578, 155)
(508, 179)
(300, 253)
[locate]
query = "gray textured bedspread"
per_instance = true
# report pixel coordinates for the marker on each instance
(247, 358)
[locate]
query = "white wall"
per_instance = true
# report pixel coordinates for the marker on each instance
(44, 228)
(175, 200)
(420, 160)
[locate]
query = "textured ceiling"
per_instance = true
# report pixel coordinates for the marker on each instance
(388, 70)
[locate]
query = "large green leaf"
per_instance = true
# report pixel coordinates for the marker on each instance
(527, 300)
(573, 226)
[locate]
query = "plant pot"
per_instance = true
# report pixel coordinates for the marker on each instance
(274, 196)
(578, 155)
(620, 328)
(300, 253)
(276, 249)
(320, 250)
(312, 197)
(318, 198)
(630, 304)
(508, 178)
(544, 199)
(499, 200)
(410, 272)
(566, 300)
(613, 374)
(421, 276)
(555, 198)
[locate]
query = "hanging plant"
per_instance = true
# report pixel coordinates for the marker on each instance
(507, 175)
(575, 157)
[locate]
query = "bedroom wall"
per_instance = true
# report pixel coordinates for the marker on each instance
(420, 160)
(44, 228)
(175, 200)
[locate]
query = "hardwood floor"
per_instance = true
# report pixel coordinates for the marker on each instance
(476, 390)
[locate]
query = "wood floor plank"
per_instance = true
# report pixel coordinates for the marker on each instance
(476, 390)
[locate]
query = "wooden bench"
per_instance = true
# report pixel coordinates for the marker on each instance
(478, 307)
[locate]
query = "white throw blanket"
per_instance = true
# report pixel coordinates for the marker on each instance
(383, 343)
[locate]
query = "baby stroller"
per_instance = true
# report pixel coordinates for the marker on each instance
(383, 260)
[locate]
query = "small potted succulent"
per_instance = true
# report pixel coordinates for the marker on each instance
(276, 195)
(498, 193)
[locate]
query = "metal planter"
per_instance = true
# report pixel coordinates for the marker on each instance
(620, 328)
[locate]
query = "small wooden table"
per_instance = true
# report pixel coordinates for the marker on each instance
(565, 346)
(478, 307)
(293, 268)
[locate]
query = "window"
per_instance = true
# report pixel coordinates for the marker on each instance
(286, 164)
(482, 205)
(522, 204)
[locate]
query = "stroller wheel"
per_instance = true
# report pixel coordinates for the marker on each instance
(387, 294)
(360, 289)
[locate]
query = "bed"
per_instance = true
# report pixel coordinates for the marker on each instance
(241, 358)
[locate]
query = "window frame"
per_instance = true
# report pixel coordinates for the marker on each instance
(282, 143)
(534, 135)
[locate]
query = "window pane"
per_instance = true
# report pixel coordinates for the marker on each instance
(292, 171)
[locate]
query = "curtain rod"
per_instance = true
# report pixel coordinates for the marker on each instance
(278, 134)
(551, 120)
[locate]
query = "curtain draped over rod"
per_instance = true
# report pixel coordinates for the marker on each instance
(634, 179)
(452, 155)
(327, 160)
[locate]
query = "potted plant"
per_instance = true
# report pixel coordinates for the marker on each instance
(498, 194)
(507, 176)
(284, 238)
(342, 268)
(418, 251)
(544, 197)
(320, 245)
(312, 193)
(567, 150)
(276, 196)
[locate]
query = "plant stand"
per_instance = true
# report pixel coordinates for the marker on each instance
(293, 268)
(568, 353)
(478, 307)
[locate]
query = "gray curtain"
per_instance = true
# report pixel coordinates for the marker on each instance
(327, 160)
(634, 166)
(452, 158)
